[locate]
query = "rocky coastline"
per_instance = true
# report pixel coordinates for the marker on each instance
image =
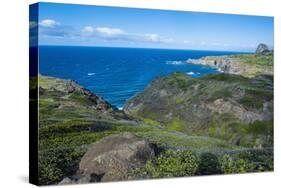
(248, 65)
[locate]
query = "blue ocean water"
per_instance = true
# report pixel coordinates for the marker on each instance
(117, 74)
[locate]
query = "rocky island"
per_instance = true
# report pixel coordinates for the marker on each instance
(178, 126)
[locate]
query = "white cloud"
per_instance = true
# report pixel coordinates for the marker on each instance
(152, 37)
(88, 29)
(186, 41)
(48, 23)
(109, 31)
(52, 28)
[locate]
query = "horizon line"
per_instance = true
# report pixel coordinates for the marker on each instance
(184, 49)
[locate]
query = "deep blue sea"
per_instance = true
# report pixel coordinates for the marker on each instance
(117, 74)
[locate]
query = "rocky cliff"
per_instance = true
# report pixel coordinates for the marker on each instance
(60, 98)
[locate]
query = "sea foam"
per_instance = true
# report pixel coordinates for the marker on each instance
(174, 62)
(192, 73)
(91, 74)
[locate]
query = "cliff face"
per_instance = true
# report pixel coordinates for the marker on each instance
(249, 65)
(65, 98)
(221, 105)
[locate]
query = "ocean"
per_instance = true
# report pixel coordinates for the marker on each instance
(117, 74)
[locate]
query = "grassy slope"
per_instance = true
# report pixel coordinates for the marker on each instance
(68, 125)
(256, 64)
(185, 105)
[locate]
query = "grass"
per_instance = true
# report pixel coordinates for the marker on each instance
(180, 100)
(176, 125)
(255, 59)
(250, 65)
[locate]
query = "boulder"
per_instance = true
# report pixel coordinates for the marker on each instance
(112, 157)
(262, 49)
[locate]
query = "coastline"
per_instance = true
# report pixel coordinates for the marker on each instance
(248, 65)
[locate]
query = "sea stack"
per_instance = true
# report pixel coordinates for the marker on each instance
(262, 49)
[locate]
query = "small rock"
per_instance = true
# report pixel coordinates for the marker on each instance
(66, 181)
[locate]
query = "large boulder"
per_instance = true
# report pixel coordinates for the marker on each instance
(112, 157)
(262, 49)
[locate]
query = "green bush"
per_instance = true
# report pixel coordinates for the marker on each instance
(58, 163)
(209, 164)
(171, 164)
(230, 165)
(262, 159)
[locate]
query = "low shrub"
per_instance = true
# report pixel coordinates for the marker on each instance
(209, 164)
(230, 165)
(58, 163)
(171, 164)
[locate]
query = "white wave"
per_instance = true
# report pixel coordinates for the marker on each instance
(192, 73)
(120, 108)
(174, 62)
(91, 74)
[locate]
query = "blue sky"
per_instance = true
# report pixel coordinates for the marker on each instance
(81, 25)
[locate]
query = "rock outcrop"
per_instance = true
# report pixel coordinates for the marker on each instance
(111, 159)
(69, 87)
(65, 98)
(222, 63)
(262, 49)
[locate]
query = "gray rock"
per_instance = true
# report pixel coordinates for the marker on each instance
(80, 179)
(112, 157)
(262, 49)
(66, 181)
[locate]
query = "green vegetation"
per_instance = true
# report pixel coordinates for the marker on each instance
(178, 163)
(209, 164)
(230, 165)
(217, 105)
(255, 59)
(179, 80)
(176, 125)
(70, 123)
(247, 65)
(171, 164)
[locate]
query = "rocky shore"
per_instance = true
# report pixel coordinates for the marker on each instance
(248, 65)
